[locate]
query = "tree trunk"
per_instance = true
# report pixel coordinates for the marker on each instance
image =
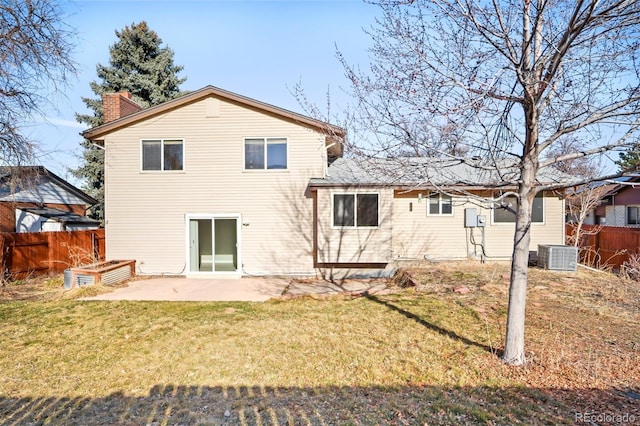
(577, 230)
(514, 342)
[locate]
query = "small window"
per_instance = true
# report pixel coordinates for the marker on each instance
(633, 215)
(360, 210)
(367, 210)
(343, 210)
(265, 153)
(440, 204)
(505, 215)
(162, 154)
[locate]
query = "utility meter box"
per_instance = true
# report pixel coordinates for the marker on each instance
(470, 217)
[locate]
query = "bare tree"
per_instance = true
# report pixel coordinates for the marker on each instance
(505, 81)
(582, 201)
(35, 61)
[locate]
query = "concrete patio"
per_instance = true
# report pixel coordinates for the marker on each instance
(246, 289)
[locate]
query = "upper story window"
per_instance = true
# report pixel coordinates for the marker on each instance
(633, 215)
(265, 153)
(355, 210)
(162, 154)
(504, 215)
(440, 204)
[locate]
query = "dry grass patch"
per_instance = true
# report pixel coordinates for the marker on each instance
(47, 288)
(582, 329)
(425, 356)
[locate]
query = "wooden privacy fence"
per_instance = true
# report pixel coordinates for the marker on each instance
(38, 253)
(606, 245)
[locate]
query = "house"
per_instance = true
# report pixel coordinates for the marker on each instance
(215, 182)
(619, 204)
(394, 216)
(33, 199)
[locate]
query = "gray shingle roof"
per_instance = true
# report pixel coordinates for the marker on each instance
(12, 177)
(429, 172)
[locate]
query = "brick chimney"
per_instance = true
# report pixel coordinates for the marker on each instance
(118, 105)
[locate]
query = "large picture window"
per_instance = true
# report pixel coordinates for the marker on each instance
(440, 204)
(359, 210)
(504, 215)
(162, 154)
(265, 153)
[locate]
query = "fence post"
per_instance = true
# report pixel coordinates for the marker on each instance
(3, 258)
(50, 251)
(94, 248)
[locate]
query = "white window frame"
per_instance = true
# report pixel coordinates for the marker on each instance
(162, 169)
(626, 214)
(544, 214)
(266, 142)
(355, 210)
(428, 198)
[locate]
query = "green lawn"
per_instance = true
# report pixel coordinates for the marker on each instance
(414, 357)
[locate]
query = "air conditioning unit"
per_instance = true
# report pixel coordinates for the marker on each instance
(558, 257)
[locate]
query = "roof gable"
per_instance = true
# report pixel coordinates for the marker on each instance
(38, 184)
(99, 132)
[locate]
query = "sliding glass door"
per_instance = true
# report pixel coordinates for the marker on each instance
(213, 243)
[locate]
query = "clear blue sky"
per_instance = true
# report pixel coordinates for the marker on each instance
(256, 48)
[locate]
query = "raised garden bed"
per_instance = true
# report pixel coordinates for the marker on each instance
(106, 272)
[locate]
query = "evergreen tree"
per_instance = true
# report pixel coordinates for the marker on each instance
(138, 65)
(629, 159)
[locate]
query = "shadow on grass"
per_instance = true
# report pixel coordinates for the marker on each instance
(251, 405)
(433, 327)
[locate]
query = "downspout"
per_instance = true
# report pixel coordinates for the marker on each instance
(391, 203)
(564, 226)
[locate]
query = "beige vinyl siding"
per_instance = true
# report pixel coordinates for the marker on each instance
(499, 237)
(353, 244)
(146, 211)
(418, 236)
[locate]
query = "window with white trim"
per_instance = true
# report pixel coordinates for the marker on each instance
(265, 153)
(440, 205)
(505, 215)
(162, 154)
(633, 215)
(355, 210)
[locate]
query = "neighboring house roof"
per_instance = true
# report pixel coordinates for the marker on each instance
(625, 183)
(68, 218)
(606, 189)
(17, 181)
(98, 132)
(429, 172)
